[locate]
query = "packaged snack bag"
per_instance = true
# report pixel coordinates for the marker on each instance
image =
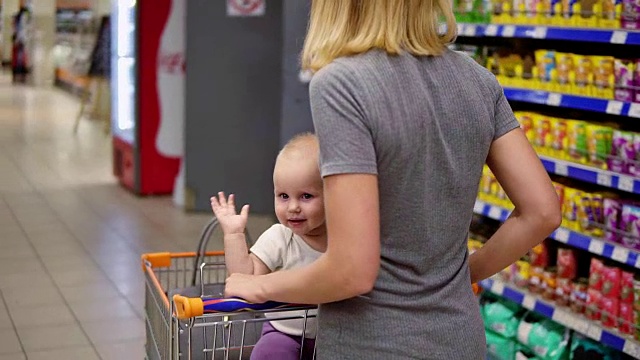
(549, 284)
(501, 318)
(583, 75)
(622, 151)
(609, 17)
(567, 7)
(546, 64)
(578, 297)
(595, 275)
(604, 77)
(626, 319)
(565, 70)
(612, 213)
(535, 279)
(626, 287)
(577, 141)
(609, 308)
(570, 208)
(593, 309)
(585, 13)
(542, 126)
(539, 255)
(563, 291)
(636, 80)
(522, 274)
(624, 70)
(630, 18)
(633, 163)
(630, 222)
(559, 139)
(599, 144)
(526, 123)
(531, 9)
(567, 265)
(611, 281)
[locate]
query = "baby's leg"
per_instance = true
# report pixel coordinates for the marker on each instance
(274, 345)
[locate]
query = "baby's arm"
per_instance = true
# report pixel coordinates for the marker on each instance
(236, 253)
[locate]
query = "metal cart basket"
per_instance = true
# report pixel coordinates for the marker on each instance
(187, 317)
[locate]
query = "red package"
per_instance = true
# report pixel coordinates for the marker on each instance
(626, 287)
(566, 264)
(595, 274)
(539, 255)
(593, 309)
(611, 282)
(626, 319)
(610, 308)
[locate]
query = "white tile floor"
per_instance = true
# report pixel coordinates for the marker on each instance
(71, 285)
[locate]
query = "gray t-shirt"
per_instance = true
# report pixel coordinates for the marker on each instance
(424, 125)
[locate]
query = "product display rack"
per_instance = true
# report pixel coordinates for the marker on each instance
(553, 100)
(592, 175)
(563, 316)
(578, 240)
(604, 106)
(609, 36)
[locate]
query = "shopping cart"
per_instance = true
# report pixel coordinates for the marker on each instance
(187, 316)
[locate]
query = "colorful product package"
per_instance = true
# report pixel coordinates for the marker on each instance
(585, 13)
(522, 273)
(624, 70)
(630, 17)
(577, 141)
(547, 339)
(563, 291)
(626, 287)
(583, 75)
(636, 81)
(500, 348)
(570, 208)
(539, 255)
(622, 151)
(559, 138)
(612, 214)
(542, 140)
(633, 163)
(565, 70)
(546, 65)
(611, 281)
(626, 319)
(610, 11)
(609, 308)
(567, 8)
(566, 263)
(578, 297)
(595, 274)
(599, 144)
(604, 77)
(594, 300)
(630, 224)
(502, 318)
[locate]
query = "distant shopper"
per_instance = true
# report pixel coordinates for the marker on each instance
(405, 126)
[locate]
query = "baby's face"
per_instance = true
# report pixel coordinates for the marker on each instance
(298, 200)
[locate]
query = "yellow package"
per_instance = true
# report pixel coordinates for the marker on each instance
(584, 13)
(577, 148)
(572, 202)
(582, 75)
(501, 12)
(546, 65)
(526, 123)
(611, 11)
(603, 77)
(599, 139)
(559, 140)
(565, 70)
(542, 139)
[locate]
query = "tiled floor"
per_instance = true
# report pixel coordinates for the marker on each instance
(71, 285)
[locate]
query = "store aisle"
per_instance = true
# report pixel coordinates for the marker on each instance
(71, 285)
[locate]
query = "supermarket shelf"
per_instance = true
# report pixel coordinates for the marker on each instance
(564, 317)
(612, 107)
(592, 175)
(593, 245)
(618, 36)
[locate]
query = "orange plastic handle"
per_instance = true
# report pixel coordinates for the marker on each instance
(188, 307)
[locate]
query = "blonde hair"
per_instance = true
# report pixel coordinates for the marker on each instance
(340, 28)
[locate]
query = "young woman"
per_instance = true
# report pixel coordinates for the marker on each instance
(405, 126)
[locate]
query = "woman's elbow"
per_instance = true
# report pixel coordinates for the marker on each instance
(550, 216)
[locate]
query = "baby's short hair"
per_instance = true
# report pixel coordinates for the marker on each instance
(304, 142)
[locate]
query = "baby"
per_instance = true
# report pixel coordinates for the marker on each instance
(299, 239)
